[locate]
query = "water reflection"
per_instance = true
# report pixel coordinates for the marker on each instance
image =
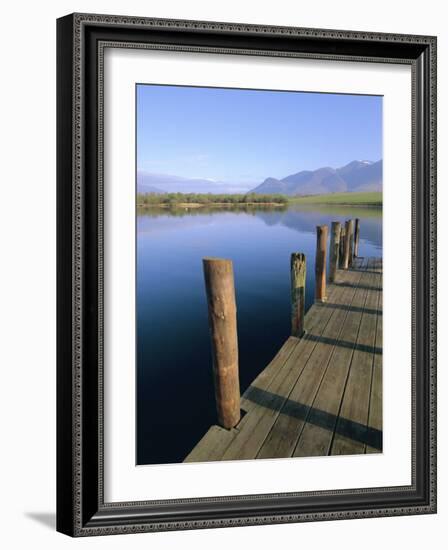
(299, 218)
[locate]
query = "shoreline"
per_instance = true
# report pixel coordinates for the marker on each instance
(208, 204)
(357, 204)
(195, 205)
(200, 200)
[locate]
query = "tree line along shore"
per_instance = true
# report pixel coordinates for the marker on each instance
(192, 200)
(207, 199)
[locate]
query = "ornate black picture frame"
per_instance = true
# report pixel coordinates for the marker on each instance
(81, 509)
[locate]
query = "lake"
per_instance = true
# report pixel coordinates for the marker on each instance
(175, 395)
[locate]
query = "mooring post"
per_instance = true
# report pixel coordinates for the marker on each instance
(321, 263)
(298, 278)
(342, 246)
(334, 249)
(352, 243)
(220, 288)
(356, 250)
(347, 241)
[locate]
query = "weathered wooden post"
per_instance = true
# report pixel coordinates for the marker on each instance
(334, 249)
(342, 246)
(219, 284)
(356, 250)
(347, 240)
(352, 241)
(321, 263)
(298, 277)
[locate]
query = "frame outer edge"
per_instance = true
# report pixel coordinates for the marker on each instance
(65, 371)
(70, 507)
(222, 26)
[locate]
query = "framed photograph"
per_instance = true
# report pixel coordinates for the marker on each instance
(246, 274)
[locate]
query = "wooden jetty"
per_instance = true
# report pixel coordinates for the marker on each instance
(322, 392)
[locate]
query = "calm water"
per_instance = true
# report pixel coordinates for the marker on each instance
(175, 397)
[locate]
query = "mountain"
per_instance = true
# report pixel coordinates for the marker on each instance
(164, 183)
(358, 175)
(147, 188)
(363, 176)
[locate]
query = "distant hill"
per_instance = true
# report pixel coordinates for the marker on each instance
(357, 176)
(166, 183)
(146, 188)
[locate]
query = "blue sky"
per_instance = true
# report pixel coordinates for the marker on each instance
(245, 136)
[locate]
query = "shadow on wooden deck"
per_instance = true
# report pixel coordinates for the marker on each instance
(345, 307)
(341, 343)
(347, 428)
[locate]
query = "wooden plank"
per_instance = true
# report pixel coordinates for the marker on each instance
(375, 421)
(266, 404)
(285, 432)
(212, 446)
(317, 434)
(351, 428)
